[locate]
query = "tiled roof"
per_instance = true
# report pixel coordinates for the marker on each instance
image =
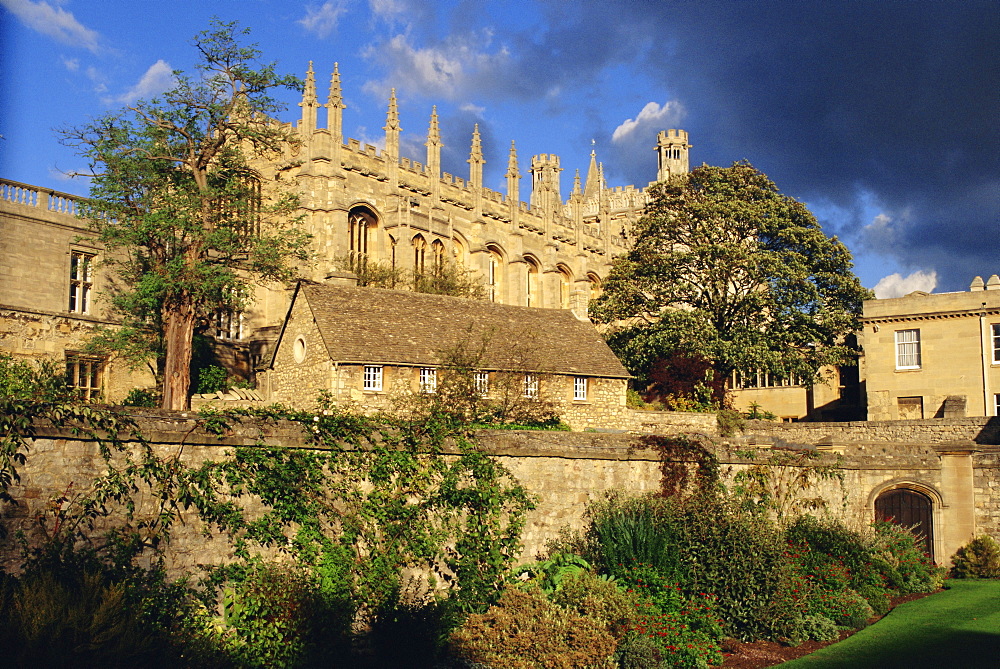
(376, 326)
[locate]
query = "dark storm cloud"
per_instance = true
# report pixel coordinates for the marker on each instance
(896, 100)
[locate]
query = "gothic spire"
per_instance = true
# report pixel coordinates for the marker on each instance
(334, 106)
(513, 175)
(434, 145)
(309, 102)
(476, 159)
(392, 128)
(593, 178)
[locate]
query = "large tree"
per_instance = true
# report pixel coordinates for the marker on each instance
(185, 218)
(725, 268)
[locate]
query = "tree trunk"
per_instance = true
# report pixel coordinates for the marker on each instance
(178, 327)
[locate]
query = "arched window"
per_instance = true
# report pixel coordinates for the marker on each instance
(419, 253)
(459, 251)
(595, 285)
(494, 274)
(531, 284)
(437, 251)
(361, 224)
(565, 285)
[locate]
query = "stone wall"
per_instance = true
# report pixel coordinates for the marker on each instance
(567, 470)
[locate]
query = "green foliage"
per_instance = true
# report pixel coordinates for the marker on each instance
(548, 574)
(525, 630)
(755, 412)
(702, 543)
(280, 618)
(633, 400)
(729, 422)
(140, 397)
(910, 570)
(445, 279)
(725, 268)
(980, 558)
(213, 379)
(176, 202)
(785, 483)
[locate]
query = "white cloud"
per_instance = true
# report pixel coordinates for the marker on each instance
(157, 79)
(652, 116)
(71, 64)
(452, 70)
(472, 109)
(323, 20)
(387, 9)
(896, 285)
(55, 22)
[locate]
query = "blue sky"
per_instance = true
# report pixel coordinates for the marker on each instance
(881, 116)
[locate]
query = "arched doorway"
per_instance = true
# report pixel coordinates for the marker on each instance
(911, 509)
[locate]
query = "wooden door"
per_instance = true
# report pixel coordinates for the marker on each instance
(912, 510)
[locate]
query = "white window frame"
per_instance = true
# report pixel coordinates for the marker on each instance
(428, 380)
(373, 378)
(531, 386)
(229, 324)
(580, 388)
(85, 373)
(996, 404)
(482, 380)
(996, 343)
(81, 281)
(908, 354)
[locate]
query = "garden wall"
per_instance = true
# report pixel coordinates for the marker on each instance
(956, 463)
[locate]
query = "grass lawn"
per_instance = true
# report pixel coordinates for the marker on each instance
(954, 629)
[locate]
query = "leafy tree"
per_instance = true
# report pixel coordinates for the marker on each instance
(184, 216)
(726, 268)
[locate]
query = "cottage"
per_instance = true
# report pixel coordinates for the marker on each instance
(366, 346)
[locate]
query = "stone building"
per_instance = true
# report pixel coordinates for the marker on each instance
(368, 347)
(933, 355)
(52, 291)
(364, 205)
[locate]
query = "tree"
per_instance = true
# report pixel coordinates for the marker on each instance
(725, 268)
(185, 218)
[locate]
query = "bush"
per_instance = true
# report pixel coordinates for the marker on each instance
(213, 379)
(980, 558)
(600, 598)
(525, 630)
(703, 544)
(79, 619)
(278, 619)
(908, 568)
(140, 397)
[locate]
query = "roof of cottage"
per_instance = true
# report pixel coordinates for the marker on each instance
(376, 326)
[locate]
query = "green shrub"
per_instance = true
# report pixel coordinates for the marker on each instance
(908, 568)
(703, 544)
(276, 616)
(525, 630)
(980, 558)
(600, 598)
(213, 379)
(814, 627)
(140, 397)
(83, 619)
(641, 530)
(639, 651)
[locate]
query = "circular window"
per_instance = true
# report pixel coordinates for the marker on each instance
(299, 349)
